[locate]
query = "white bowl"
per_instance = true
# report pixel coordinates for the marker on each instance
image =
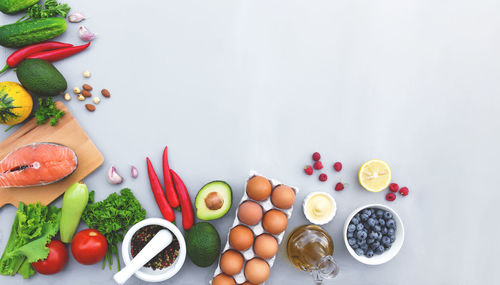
(148, 274)
(327, 219)
(388, 254)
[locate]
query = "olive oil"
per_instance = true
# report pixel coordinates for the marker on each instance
(307, 246)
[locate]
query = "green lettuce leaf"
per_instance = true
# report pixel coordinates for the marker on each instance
(33, 228)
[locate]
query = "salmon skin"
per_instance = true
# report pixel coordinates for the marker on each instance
(37, 164)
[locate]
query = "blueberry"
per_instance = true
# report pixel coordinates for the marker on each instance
(381, 222)
(361, 241)
(391, 223)
(364, 217)
(369, 253)
(393, 238)
(373, 216)
(351, 241)
(367, 212)
(384, 230)
(387, 215)
(370, 241)
(386, 240)
(360, 227)
(364, 247)
(371, 222)
(375, 244)
(373, 235)
(351, 228)
(387, 247)
(379, 213)
(357, 216)
(354, 246)
(355, 221)
(361, 235)
(379, 238)
(350, 234)
(359, 251)
(391, 231)
(380, 249)
(377, 228)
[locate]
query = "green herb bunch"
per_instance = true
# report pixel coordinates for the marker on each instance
(51, 8)
(112, 218)
(48, 110)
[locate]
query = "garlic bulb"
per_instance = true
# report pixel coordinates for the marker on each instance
(113, 176)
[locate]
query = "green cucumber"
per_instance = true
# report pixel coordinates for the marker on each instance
(41, 77)
(74, 202)
(14, 6)
(31, 31)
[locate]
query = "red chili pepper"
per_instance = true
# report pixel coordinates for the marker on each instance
(160, 198)
(21, 54)
(169, 186)
(58, 54)
(186, 206)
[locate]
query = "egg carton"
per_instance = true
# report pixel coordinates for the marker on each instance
(258, 228)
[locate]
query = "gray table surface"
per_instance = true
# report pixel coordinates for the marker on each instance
(231, 86)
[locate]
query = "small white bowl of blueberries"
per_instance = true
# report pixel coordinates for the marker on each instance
(373, 234)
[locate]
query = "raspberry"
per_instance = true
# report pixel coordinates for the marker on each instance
(337, 166)
(390, 197)
(339, 186)
(394, 187)
(323, 177)
(404, 191)
(308, 170)
(318, 165)
(316, 156)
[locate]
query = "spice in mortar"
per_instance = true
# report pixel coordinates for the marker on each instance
(163, 259)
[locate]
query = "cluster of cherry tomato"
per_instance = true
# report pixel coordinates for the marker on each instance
(88, 247)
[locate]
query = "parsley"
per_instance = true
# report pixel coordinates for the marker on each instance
(49, 9)
(112, 218)
(47, 110)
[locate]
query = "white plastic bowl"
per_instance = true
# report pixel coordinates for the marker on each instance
(148, 274)
(387, 255)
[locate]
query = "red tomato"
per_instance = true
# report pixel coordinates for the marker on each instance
(55, 262)
(89, 246)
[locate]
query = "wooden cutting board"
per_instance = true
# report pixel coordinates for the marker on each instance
(67, 132)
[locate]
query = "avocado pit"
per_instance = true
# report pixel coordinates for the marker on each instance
(214, 201)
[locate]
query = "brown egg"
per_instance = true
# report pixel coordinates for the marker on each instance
(258, 188)
(274, 222)
(283, 197)
(246, 283)
(265, 246)
(231, 262)
(257, 271)
(250, 213)
(223, 279)
(241, 238)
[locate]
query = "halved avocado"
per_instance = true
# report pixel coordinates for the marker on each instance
(213, 200)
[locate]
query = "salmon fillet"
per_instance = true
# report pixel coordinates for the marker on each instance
(37, 164)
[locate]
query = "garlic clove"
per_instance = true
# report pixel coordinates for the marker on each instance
(76, 17)
(134, 172)
(113, 176)
(85, 35)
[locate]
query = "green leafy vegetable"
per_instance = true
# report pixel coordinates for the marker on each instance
(113, 217)
(47, 110)
(33, 228)
(51, 8)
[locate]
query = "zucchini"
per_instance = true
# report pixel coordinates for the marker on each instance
(29, 32)
(14, 6)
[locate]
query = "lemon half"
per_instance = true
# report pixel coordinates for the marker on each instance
(375, 175)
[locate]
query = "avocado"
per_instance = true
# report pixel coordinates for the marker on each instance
(203, 244)
(41, 77)
(213, 200)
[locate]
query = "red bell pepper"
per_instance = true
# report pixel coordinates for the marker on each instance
(58, 54)
(185, 201)
(172, 198)
(160, 198)
(21, 54)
